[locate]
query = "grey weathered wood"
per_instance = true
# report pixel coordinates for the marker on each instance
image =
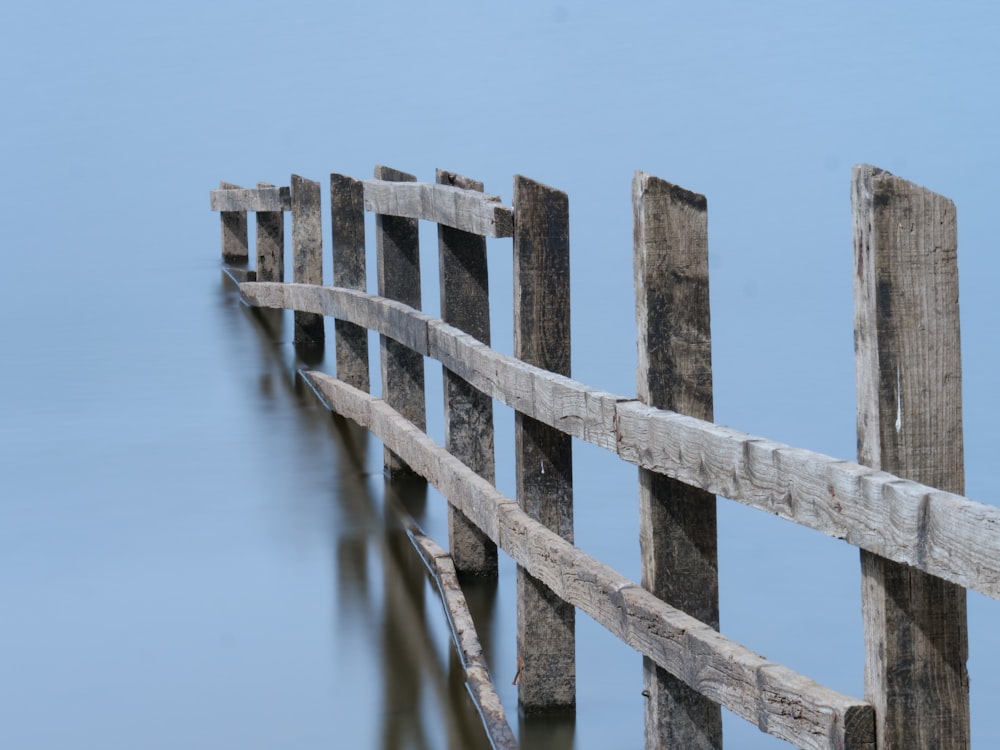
(909, 376)
(307, 254)
(546, 625)
(235, 240)
(677, 522)
(776, 699)
(450, 205)
(347, 213)
(398, 259)
(942, 533)
(270, 243)
(264, 198)
(465, 304)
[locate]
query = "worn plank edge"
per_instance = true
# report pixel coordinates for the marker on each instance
(259, 199)
(468, 210)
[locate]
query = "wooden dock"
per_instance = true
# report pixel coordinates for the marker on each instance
(922, 544)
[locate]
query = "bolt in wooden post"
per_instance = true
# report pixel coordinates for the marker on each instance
(909, 383)
(347, 213)
(546, 625)
(270, 243)
(398, 255)
(307, 254)
(677, 523)
(465, 304)
(235, 240)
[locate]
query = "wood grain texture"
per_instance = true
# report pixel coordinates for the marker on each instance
(450, 205)
(307, 255)
(235, 239)
(776, 699)
(677, 522)
(347, 218)
(546, 639)
(264, 198)
(942, 533)
(270, 243)
(465, 304)
(398, 260)
(907, 340)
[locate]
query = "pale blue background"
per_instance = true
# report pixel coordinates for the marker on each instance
(160, 588)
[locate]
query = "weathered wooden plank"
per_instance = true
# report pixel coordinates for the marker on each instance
(677, 522)
(347, 215)
(451, 205)
(398, 259)
(270, 242)
(468, 412)
(546, 625)
(909, 373)
(941, 533)
(776, 699)
(307, 255)
(235, 239)
(264, 198)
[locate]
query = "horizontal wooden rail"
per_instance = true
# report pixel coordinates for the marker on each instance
(468, 210)
(776, 699)
(942, 533)
(259, 199)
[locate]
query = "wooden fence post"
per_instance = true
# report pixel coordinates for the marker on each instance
(270, 243)
(307, 254)
(235, 241)
(909, 383)
(398, 252)
(347, 215)
(465, 304)
(546, 625)
(677, 530)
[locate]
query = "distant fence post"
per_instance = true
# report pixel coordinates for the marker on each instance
(307, 254)
(270, 243)
(235, 239)
(398, 249)
(546, 625)
(347, 216)
(909, 384)
(677, 531)
(465, 304)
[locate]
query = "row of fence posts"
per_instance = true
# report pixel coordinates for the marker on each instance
(909, 413)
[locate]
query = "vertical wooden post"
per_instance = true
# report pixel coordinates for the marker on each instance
(546, 625)
(909, 382)
(677, 523)
(235, 240)
(270, 243)
(307, 254)
(465, 304)
(347, 213)
(398, 254)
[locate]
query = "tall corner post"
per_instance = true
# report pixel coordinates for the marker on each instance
(465, 304)
(677, 523)
(235, 237)
(270, 243)
(347, 218)
(398, 258)
(307, 255)
(546, 625)
(909, 390)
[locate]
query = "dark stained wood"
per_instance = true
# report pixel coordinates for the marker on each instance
(347, 215)
(546, 629)
(270, 243)
(235, 240)
(465, 304)
(910, 423)
(398, 258)
(677, 522)
(307, 255)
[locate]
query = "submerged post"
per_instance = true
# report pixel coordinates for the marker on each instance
(307, 254)
(465, 304)
(677, 522)
(235, 239)
(398, 250)
(546, 625)
(347, 216)
(909, 383)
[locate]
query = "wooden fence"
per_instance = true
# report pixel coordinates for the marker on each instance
(922, 543)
